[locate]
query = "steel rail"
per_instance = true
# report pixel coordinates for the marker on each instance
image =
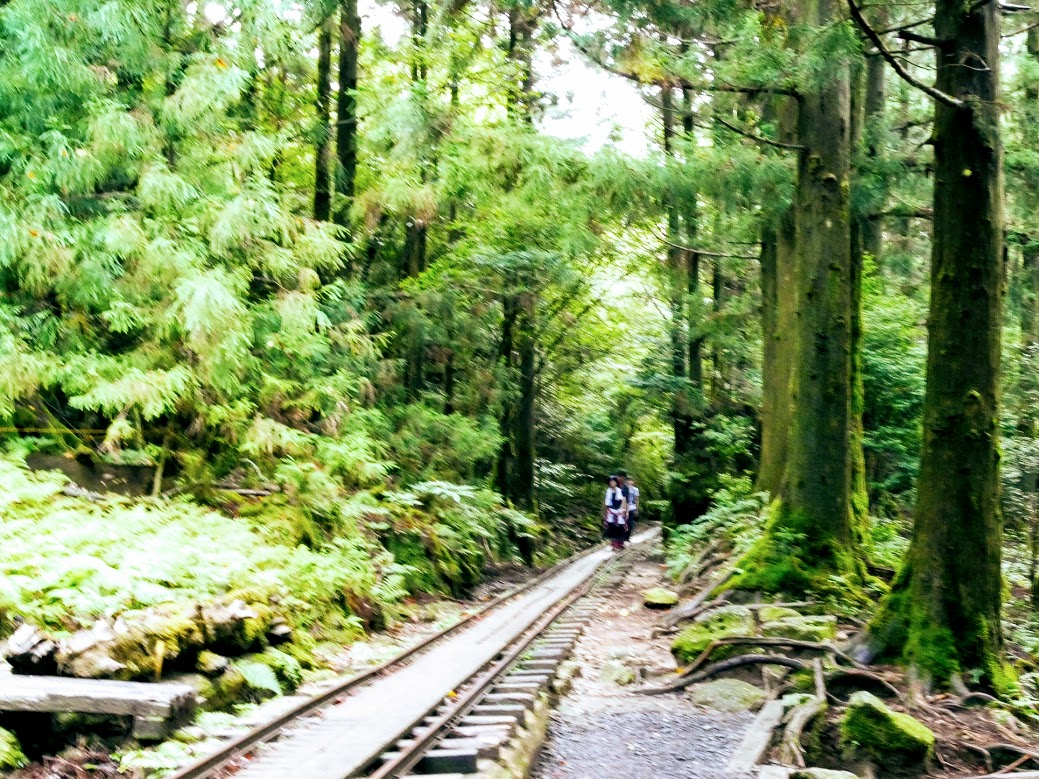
(214, 761)
(410, 756)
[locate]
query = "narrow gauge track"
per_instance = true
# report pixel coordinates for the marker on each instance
(342, 731)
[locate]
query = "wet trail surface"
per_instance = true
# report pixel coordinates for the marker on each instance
(601, 729)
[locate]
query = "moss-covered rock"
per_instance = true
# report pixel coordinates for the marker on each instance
(872, 729)
(211, 664)
(616, 672)
(11, 755)
(732, 621)
(731, 695)
(286, 668)
(659, 598)
(802, 628)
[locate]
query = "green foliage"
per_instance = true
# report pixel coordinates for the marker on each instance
(67, 561)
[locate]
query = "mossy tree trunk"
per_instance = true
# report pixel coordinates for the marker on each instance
(812, 536)
(944, 610)
(777, 285)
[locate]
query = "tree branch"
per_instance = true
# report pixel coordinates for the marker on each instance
(937, 94)
(927, 40)
(758, 138)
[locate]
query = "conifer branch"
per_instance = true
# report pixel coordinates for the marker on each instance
(758, 138)
(937, 94)
(926, 40)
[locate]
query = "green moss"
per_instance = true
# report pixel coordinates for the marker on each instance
(659, 598)
(732, 621)
(802, 628)
(11, 755)
(286, 668)
(776, 613)
(893, 739)
(793, 556)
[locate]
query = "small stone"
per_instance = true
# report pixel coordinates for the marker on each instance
(822, 773)
(776, 613)
(211, 664)
(800, 628)
(11, 755)
(659, 598)
(731, 695)
(620, 653)
(616, 672)
(891, 738)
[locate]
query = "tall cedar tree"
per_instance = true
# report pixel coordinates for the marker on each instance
(813, 534)
(944, 608)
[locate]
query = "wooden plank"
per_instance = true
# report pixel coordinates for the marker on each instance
(95, 696)
(754, 744)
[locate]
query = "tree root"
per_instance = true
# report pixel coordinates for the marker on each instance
(786, 643)
(860, 673)
(790, 750)
(692, 571)
(1024, 752)
(985, 754)
(720, 578)
(722, 666)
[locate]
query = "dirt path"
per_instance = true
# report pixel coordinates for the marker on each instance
(602, 730)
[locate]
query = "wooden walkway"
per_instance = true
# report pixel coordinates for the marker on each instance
(156, 709)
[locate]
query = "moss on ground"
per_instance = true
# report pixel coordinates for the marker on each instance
(893, 739)
(729, 621)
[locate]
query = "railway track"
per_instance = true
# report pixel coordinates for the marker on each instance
(448, 702)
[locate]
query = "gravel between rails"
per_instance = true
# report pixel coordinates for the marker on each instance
(602, 730)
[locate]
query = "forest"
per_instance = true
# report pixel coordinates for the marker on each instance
(358, 324)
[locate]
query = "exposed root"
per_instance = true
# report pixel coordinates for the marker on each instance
(1024, 752)
(719, 579)
(692, 571)
(790, 750)
(859, 673)
(786, 643)
(722, 666)
(985, 754)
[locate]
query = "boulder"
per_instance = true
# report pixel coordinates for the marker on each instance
(870, 728)
(286, 668)
(730, 621)
(211, 664)
(802, 628)
(822, 773)
(616, 672)
(659, 598)
(731, 695)
(11, 756)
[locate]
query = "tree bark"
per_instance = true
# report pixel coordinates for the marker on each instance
(873, 228)
(346, 110)
(525, 430)
(811, 538)
(323, 144)
(944, 609)
(503, 473)
(778, 317)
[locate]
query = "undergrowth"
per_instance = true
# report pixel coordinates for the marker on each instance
(66, 561)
